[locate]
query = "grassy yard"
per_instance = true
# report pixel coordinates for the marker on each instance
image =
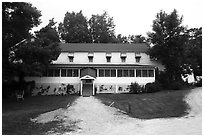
(16, 115)
(164, 104)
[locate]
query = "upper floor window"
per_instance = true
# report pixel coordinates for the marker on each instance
(90, 59)
(71, 59)
(137, 59)
(123, 57)
(108, 57)
(90, 56)
(71, 56)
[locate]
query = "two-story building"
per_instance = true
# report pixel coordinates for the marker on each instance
(100, 68)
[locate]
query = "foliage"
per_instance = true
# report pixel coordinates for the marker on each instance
(169, 40)
(17, 20)
(33, 56)
(130, 39)
(193, 51)
(176, 85)
(74, 28)
(135, 88)
(102, 28)
(152, 87)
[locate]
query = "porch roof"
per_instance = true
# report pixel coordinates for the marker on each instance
(90, 72)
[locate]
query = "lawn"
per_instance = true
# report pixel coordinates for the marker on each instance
(16, 115)
(163, 104)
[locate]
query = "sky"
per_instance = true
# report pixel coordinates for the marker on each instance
(131, 17)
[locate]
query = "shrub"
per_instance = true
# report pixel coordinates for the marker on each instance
(152, 87)
(176, 85)
(199, 83)
(135, 88)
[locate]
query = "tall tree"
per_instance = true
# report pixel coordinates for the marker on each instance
(193, 51)
(102, 28)
(34, 55)
(137, 38)
(74, 28)
(18, 18)
(169, 41)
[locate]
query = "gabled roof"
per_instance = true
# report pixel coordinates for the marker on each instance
(103, 47)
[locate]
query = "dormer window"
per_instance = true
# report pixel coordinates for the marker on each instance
(123, 57)
(108, 57)
(137, 57)
(90, 56)
(71, 56)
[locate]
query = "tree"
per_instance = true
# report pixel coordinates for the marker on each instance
(74, 28)
(169, 41)
(18, 18)
(193, 51)
(34, 55)
(102, 28)
(121, 39)
(137, 38)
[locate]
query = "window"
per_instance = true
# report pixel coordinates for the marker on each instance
(71, 59)
(125, 73)
(90, 56)
(108, 56)
(107, 73)
(113, 73)
(71, 56)
(151, 73)
(123, 59)
(119, 72)
(137, 58)
(108, 59)
(69, 72)
(138, 73)
(63, 73)
(144, 73)
(131, 73)
(101, 73)
(50, 72)
(56, 72)
(53, 73)
(75, 73)
(90, 59)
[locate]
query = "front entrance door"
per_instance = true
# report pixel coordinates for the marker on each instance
(87, 87)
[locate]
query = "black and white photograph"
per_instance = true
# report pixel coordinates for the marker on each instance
(101, 67)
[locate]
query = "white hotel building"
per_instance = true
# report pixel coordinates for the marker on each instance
(100, 68)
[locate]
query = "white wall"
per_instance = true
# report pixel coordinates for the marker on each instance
(124, 80)
(100, 58)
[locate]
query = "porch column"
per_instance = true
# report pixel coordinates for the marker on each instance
(93, 88)
(81, 88)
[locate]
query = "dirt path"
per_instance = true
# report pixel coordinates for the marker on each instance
(93, 117)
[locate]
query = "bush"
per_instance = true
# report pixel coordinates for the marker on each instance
(176, 85)
(152, 87)
(135, 88)
(199, 83)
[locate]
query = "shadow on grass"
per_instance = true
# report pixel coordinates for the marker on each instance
(16, 115)
(163, 104)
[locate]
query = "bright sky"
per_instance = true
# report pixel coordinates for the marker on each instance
(130, 16)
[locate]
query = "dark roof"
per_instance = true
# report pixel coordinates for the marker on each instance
(88, 71)
(101, 65)
(103, 47)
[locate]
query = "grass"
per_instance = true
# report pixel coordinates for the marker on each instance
(16, 115)
(163, 104)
